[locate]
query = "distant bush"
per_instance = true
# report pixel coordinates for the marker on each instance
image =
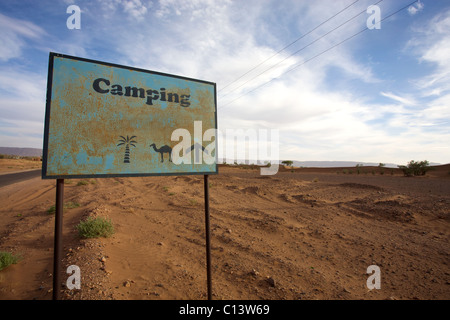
(9, 156)
(358, 168)
(416, 168)
(288, 163)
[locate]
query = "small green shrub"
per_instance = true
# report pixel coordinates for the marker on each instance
(95, 228)
(51, 210)
(71, 205)
(68, 205)
(82, 183)
(7, 259)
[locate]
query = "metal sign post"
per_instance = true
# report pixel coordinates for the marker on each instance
(208, 239)
(57, 253)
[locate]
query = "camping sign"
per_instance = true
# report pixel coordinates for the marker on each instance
(105, 120)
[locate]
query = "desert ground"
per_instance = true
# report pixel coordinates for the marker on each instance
(304, 233)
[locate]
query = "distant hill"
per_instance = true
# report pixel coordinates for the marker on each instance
(21, 152)
(324, 164)
(340, 164)
(334, 164)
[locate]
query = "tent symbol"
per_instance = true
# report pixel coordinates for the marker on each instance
(196, 147)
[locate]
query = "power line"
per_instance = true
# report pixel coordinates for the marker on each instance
(295, 41)
(311, 43)
(317, 55)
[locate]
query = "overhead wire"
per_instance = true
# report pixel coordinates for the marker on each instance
(301, 49)
(289, 45)
(317, 55)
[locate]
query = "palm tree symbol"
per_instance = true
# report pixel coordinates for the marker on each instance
(127, 142)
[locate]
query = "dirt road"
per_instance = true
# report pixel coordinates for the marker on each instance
(9, 178)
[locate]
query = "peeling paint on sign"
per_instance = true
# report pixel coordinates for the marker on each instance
(106, 120)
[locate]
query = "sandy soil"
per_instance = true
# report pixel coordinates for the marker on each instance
(17, 165)
(301, 234)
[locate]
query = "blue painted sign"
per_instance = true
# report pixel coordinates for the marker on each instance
(106, 120)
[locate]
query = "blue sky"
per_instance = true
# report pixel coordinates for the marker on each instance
(381, 96)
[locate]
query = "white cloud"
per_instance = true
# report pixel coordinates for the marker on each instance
(431, 44)
(22, 108)
(14, 36)
(135, 8)
(19, 133)
(21, 84)
(414, 9)
(438, 112)
(402, 100)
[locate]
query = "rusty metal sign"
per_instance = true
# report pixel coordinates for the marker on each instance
(105, 120)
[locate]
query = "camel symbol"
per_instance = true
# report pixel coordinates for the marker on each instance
(162, 150)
